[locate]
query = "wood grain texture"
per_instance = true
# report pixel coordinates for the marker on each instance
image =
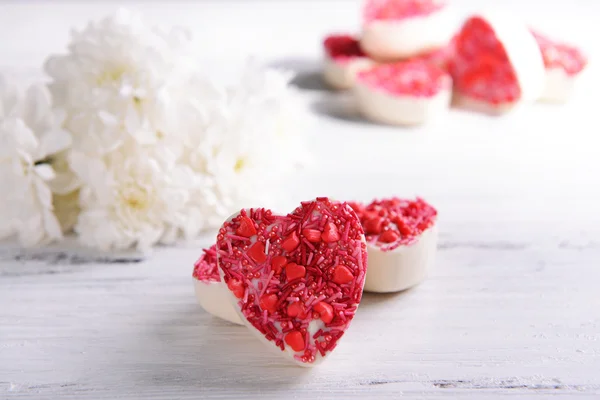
(511, 308)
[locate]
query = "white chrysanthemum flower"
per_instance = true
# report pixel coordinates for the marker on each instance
(134, 197)
(247, 140)
(161, 151)
(30, 136)
(122, 78)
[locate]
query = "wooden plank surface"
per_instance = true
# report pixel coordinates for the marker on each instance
(512, 307)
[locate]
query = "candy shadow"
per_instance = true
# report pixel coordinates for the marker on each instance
(341, 107)
(308, 73)
(374, 300)
(193, 350)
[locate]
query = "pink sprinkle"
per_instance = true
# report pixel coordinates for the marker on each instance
(266, 283)
(248, 258)
(346, 231)
(309, 245)
(310, 257)
(236, 237)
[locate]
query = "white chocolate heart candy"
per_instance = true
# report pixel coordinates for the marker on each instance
(401, 242)
(564, 64)
(403, 93)
(401, 29)
(211, 293)
(497, 64)
(343, 60)
(295, 280)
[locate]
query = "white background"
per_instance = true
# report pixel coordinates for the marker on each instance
(512, 307)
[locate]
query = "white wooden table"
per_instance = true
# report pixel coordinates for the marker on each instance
(512, 307)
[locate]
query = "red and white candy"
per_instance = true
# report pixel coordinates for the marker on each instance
(400, 29)
(295, 280)
(564, 64)
(401, 242)
(343, 60)
(497, 64)
(212, 295)
(403, 93)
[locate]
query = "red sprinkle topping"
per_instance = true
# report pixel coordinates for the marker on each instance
(246, 228)
(399, 9)
(480, 67)
(559, 55)
(287, 279)
(342, 48)
(294, 271)
(342, 275)
(395, 222)
(413, 78)
(325, 311)
(277, 263)
(295, 340)
(257, 252)
(205, 269)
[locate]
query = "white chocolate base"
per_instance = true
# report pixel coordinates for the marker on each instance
(403, 267)
(380, 106)
(484, 107)
(559, 86)
(342, 75)
(213, 297)
(399, 39)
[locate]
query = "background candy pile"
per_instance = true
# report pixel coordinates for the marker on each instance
(392, 45)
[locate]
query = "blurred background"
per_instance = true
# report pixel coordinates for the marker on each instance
(549, 152)
(230, 29)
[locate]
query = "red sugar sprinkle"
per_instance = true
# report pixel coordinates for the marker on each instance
(205, 269)
(399, 9)
(268, 302)
(294, 271)
(330, 233)
(560, 55)
(412, 78)
(325, 311)
(277, 263)
(246, 227)
(291, 242)
(399, 222)
(306, 267)
(480, 67)
(342, 275)
(295, 340)
(257, 252)
(312, 235)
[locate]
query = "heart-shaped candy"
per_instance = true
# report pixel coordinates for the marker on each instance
(212, 295)
(401, 241)
(343, 60)
(403, 93)
(496, 65)
(401, 29)
(564, 63)
(296, 280)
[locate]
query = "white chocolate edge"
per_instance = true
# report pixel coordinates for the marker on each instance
(342, 75)
(401, 110)
(399, 39)
(403, 267)
(214, 299)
